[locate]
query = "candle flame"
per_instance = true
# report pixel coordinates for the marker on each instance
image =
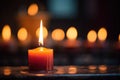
(102, 34)
(72, 33)
(6, 33)
(119, 38)
(58, 34)
(22, 34)
(45, 32)
(92, 36)
(41, 33)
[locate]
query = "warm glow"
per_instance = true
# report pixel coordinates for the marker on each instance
(119, 38)
(72, 33)
(102, 68)
(72, 70)
(41, 33)
(92, 36)
(58, 34)
(7, 71)
(92, 67)
(102, 34)
(22, 34)
(33, 9)
(45, 32)
(6, 33)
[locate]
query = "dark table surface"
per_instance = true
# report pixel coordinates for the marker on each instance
(99, 72)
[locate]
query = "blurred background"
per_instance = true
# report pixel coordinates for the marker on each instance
(81, 32)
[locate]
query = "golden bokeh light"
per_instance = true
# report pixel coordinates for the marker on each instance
(72, 33)
(33, 9)
(6, 33)
(58, 34)
(92, 36)
(45, 32)
(102, 34)
(22, 34)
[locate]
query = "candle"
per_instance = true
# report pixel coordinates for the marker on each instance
(91, 39)
(72, 41)
(102, 35)
(40, 58)
(58, 36)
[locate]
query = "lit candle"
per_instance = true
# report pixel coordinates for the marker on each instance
(58, 36)
(72, 41)
(91, 39)
(8, 42)
(40, 58)
(102, 35)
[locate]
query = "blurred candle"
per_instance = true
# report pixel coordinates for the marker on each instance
(33, 9)
(7, 71)
(6, 33)
(23, 36)
(91, 39)
(71, 35)
(8, 41)
(102, 35)
(41, 58)
(72, 70)
(102, 68)
(58, 36)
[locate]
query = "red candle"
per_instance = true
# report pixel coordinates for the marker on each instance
(41, 58)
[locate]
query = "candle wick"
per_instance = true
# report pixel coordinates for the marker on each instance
(40, 44)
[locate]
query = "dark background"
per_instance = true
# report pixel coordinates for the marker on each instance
(85, 15)
(105, 14)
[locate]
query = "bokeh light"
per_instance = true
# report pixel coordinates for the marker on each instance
(33, 9)
(6, 33)
(72, 33)
(22, 34)
(102, 34)
(92, 36)
(58, 34)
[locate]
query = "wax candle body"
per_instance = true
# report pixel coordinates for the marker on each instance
(40, 59)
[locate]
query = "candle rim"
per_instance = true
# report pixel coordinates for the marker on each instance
(41, 49)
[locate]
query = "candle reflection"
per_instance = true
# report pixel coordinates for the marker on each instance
(102, 68)
(72, 70)
(92, 68)
(7, 71)
(60, 70)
